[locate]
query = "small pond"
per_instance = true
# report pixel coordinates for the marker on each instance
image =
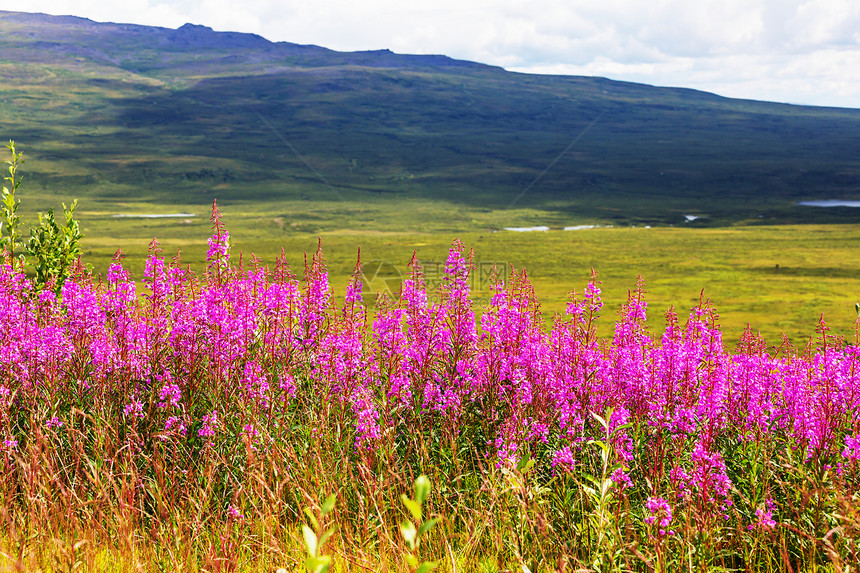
(152, 215)
(829, 203)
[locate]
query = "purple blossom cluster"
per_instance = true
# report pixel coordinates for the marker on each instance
(248, 342)
(659, 515)
(764, 516)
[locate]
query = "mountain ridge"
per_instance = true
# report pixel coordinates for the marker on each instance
(114, 110)
(195, 36)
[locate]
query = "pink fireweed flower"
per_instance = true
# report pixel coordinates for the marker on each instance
(10, 444)
(218, 254)
(5, 397)
(456, 278)
(506, 452)
(592, 297)
(156, 277)
(117, 275)
(539, 432)
(250, 435)
(660, 514)
(709, 475)
(175, 425)
(852, 448)
(134, 409)
(353, 302)
(620, 477)
(367, 427)
(765, 520)
(287, 385)
(234, 513)
(707, 481)
(255, 383)
(210, 423)
(54, 423)
(681, 481)
(169, 395)
(764, 516)
(563, 459)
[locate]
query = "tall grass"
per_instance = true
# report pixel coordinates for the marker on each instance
(203, 423)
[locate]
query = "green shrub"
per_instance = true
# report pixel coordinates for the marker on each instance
(53, 247)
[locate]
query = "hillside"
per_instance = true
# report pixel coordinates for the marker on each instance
(125, 113)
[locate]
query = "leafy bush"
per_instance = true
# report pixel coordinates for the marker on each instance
(11, 220)
(53, 248)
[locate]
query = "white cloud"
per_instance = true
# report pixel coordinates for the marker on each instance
(802, 51)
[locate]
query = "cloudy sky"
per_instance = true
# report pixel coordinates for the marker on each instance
(796, 51)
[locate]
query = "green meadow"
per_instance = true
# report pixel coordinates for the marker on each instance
(778, 279)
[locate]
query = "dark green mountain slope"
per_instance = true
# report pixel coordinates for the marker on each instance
(124, 112)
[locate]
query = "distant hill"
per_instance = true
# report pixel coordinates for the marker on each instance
(128, 112)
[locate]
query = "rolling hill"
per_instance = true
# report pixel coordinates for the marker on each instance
(121, 114)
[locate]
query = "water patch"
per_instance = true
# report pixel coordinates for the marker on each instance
(152, 215)
(691, 218)
(527, 229)
(580, 227)
(829, 203)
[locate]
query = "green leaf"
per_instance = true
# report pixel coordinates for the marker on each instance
(319, 564)
(323, 538)
(621, 428)
(328, 504)
(311, 518)
(603, 445)
(310, 540)
(601, 420)
(413, 507)
(426, 566)
(427, 526)
(422, 488)
(524, 461)
(606, 486)
(407, 530)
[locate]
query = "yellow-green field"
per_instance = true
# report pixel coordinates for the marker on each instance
(778, 279)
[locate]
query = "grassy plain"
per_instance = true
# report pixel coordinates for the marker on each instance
(776, 278)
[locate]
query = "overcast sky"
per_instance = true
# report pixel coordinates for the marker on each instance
(778, 50)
